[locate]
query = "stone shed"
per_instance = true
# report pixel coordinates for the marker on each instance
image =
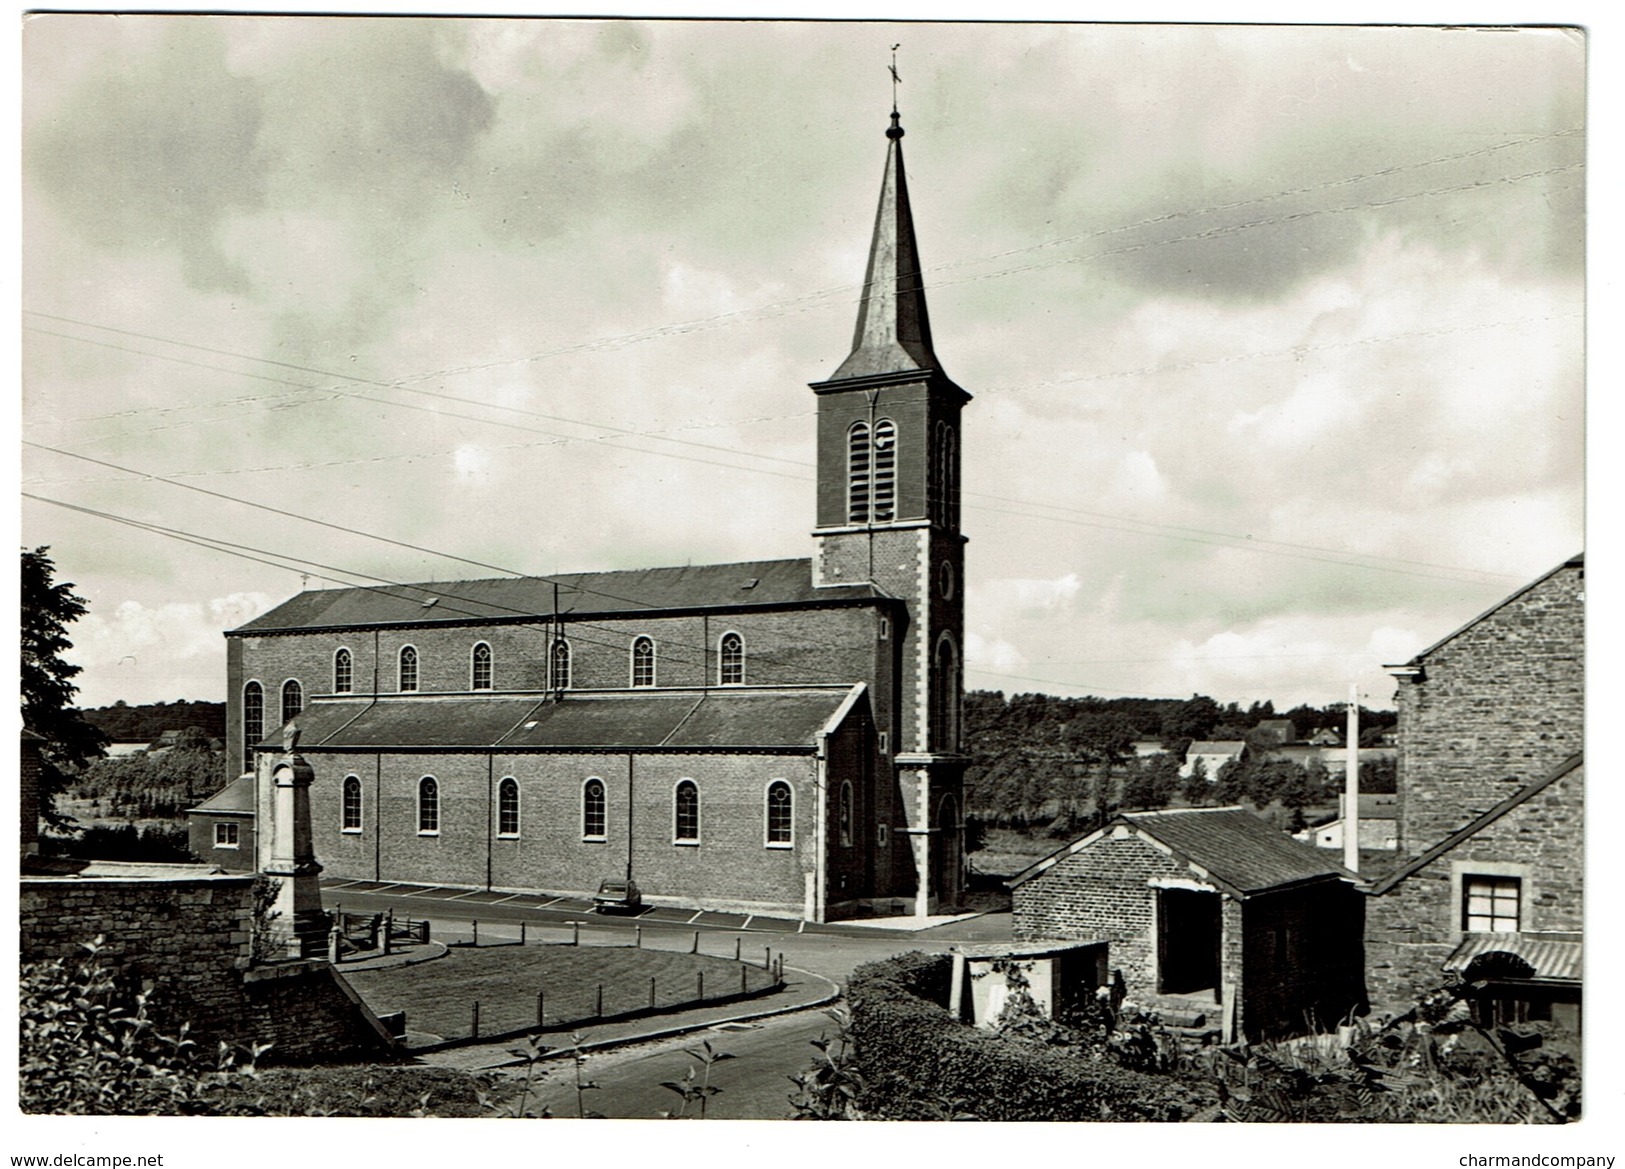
(1213, 918)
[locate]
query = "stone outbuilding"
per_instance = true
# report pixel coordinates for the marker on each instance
(1213, 917)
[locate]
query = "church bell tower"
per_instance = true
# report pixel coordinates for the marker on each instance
(888, 515)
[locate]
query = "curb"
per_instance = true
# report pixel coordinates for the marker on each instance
(833, 994)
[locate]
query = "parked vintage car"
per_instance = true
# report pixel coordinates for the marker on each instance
(618, 896)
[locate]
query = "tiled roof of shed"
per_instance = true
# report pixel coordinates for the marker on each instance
(614, 720)
(236, 796)
(759, 582)
(1235, 848)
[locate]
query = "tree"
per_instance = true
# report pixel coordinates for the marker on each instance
(48, 690)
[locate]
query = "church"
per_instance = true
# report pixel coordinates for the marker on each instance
(776, 737)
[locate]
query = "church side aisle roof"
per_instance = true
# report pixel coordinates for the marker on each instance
(722, 719)
(707, 586)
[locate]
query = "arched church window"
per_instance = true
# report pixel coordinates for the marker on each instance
(643, 662)
(343, 672)
(293, 699)
(731, 660)
(351, 813)
(885, 461)
(558, 665)
(408, 669)
(857, 473)
(592, 810)
(508, 807)
(428, 806)
(253, 721)
(686, 813)
(780, 821)
(480, 668)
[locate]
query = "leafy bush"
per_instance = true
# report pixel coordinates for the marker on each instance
(917, 1063)
(124, 842)
(87, 1046)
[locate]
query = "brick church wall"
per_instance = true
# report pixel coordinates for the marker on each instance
(732, 865)
(1500, 703)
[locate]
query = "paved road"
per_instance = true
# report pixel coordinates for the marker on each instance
(755, 1082)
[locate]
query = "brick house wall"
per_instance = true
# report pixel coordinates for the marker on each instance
(188, 938)
(1497, 704)
(202, 840)
(1413, 927)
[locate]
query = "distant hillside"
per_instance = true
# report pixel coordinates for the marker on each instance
(142, 724)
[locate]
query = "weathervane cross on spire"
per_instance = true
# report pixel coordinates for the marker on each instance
(895, 79)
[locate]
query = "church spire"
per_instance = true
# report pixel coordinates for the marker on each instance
(893, 334)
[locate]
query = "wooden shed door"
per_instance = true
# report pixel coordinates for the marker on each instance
(1188, 930)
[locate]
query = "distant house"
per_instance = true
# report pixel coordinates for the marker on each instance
(220, 830)
(1145, 748)
(1325, 737)
(1280, 731)
(1213, 754)
(1212, 917)
(1491, 808)
(1379, 824)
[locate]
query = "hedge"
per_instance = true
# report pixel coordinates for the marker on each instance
(918, 1063)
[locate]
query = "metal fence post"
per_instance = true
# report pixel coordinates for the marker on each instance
(598, 1003)
(539, 1001)
(699, 985)
(476, 926)
(651, 993)
(476, 1031)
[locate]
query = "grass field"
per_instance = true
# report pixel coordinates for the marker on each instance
(438, 996)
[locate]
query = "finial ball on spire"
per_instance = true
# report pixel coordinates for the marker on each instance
(896, 130)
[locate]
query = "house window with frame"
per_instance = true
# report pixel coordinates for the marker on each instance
(686, 813)
(253, 721)
(428, 807)
(480, 667)
(843, 814)
(558, 665)
(731, 660)
(226, 834)
(508, 807)
(408, 669)
(643, 661)
(1490, 905)
(293, 699)
(780, 817)
(350, 814)
(593, 819)
(343, 672)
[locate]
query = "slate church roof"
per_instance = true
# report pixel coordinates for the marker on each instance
(756, 583)
(776, 719)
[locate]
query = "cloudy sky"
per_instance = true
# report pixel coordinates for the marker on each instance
(1275, 334)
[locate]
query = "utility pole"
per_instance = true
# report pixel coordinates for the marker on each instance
(1351, 785)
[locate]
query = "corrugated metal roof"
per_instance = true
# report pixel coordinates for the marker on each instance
(236, 796)
(1554, 958)
(618, 720)
(759, 582)
(1236, 847)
